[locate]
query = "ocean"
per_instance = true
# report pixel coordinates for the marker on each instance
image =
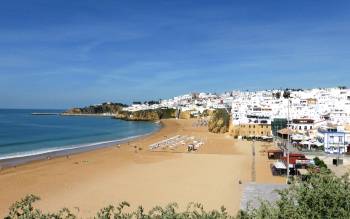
(24, 135)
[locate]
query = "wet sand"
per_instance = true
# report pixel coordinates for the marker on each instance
(132, 173)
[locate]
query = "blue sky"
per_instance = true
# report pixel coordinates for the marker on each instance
(59, 54)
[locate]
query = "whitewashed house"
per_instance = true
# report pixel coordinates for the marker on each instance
(335, 139)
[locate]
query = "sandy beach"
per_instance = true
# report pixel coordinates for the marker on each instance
(131, 172)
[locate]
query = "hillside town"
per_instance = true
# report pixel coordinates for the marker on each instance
(311, 119)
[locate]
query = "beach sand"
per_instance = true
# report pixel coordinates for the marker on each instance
(132, 173)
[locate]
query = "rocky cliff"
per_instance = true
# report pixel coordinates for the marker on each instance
(112, 108)
(219, 121)
(146, 115)
(117, 110)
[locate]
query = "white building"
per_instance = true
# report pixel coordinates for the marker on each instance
(335, 139)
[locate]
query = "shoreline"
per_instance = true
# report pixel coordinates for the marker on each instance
(135, 174)
(16, 160)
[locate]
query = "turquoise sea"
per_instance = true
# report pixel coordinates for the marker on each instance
(23, 134)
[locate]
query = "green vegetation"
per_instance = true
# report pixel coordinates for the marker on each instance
(278, 95)
(342, 87)
(286, 94)
(322, 195)
(320, 163)
(24, 210)
(219, 121)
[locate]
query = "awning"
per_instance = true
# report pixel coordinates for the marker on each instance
(305, 143)
(285, 131)
(318, 144)
(279, 165)
(298, 137)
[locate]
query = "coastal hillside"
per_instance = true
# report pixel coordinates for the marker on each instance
(147, 115)
(98, 109)
(116, 109)
(219, 121)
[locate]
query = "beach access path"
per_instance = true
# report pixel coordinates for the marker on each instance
(133, 173)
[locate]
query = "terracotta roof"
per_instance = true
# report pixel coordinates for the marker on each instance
(296, 155)
(293, 160)
(274, 151)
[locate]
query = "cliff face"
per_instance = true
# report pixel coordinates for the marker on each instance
(219, 122)
(117, 110)
(185, 115)
(142, 115)
(99, 109)
(146, 115)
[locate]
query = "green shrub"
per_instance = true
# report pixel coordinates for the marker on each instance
(320, 163)
(323, 195)
(24, 210)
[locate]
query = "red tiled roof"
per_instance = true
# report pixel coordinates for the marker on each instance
(296, 155)
(292, 160)
(274, 151)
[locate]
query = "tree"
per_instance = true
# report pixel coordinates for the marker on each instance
(286, 94)
(323, 195)
(320, 163)
(278, 95)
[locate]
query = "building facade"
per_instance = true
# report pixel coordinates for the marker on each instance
(252, 130)
(335, 140)
(302, 124)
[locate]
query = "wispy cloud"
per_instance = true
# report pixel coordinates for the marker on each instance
(123, 51)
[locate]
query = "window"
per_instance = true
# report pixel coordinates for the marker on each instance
(305, 127)
(262, 133)
(253, 126)
(340, 139)
(299, 127)
(262, 126)
(331, 139)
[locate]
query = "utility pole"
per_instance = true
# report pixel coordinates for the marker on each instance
(338, 152)
(288, 132)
